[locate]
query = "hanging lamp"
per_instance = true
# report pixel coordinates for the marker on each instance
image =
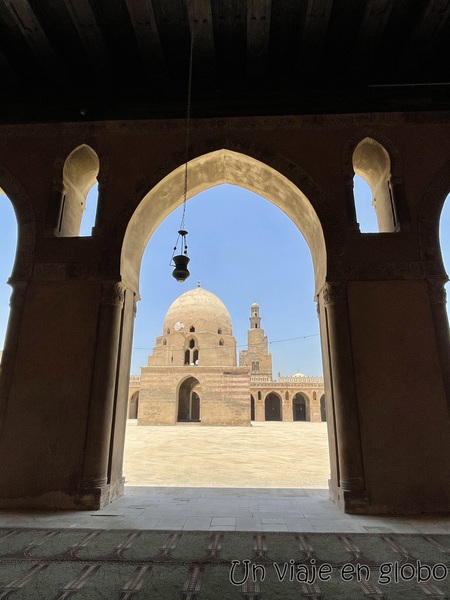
(180, 258)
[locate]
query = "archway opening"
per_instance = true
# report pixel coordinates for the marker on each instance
(444, 239)
(238, 291)
(9, 246)
(300, 408)
(372, 162)
(323, 409)
(272, 407)
(189, 401)
(133, 406)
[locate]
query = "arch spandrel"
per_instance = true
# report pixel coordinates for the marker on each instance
(216, 168)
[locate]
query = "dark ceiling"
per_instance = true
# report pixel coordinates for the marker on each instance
(97, 59)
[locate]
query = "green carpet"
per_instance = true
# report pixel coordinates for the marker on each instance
(56, 564)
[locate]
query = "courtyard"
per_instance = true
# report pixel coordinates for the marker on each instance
(263, 455)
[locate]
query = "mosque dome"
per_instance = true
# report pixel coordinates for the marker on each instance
(198, 309)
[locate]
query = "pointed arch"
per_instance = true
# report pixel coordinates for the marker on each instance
(26, 235)
(372, 156)
(276, 179)
(80, 172)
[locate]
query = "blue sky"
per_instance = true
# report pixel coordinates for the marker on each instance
(260, 257)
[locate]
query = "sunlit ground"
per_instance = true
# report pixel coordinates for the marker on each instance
(267, 454)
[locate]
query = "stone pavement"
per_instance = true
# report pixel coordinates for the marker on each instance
(274, 454)
(265, 455)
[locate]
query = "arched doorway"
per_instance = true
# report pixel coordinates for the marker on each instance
(133, 407)
(323, 409)
(252, 408)
(272, 407)
(300, 408)
(223, 166)
(188, 402)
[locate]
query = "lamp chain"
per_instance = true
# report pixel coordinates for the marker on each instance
(188, 128)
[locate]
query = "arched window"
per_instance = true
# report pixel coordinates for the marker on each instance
(167, 331)
(372, 162)
(79, 176)
(219, 331)
(192, 328)
(191, 353)
(164, 342)
(221, 342)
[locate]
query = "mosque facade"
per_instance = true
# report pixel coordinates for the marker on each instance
(192, 375)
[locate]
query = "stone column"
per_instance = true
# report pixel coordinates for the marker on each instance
(120, 414)
(350, 202)
(348, 435)
(94, 480)
(438, 299)
(16, 304)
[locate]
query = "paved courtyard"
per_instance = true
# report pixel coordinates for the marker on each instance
(268, 477)
(265, 455)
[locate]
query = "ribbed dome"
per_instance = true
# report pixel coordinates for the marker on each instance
(200, 309)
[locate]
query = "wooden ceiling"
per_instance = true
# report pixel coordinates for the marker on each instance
(111, 59)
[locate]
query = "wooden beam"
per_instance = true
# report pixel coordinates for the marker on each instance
(315, 31)
(8, 75)
(147, 36)
(258, 36)
(85, 23)
(370, 33)
(26, 21)
(425, 35)
(201, 24)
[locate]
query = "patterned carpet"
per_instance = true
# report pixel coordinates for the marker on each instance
(56, 564)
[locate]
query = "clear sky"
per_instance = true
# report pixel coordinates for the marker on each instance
(244, 250)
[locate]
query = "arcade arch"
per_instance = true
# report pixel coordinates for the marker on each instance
(300, 407)
(272, 407)
(189, 401)
(80, 173)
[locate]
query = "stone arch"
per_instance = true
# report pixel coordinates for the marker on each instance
(188, 400)
(26, 235)
(21, 274)
(323, 409)
(273, 407)
(271, 176)
(300, 407)
(133, 406)
(377, 160)
(80, 171)
(429, 217)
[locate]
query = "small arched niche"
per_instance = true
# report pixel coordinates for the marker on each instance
(371, 161)
(79, 176)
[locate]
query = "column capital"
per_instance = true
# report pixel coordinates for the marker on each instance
(113, 293)
(436, 291)
(334, 293)
(18, 293)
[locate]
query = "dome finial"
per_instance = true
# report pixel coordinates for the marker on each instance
(198, 284)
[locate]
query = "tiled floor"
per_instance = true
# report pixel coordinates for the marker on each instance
(223, 509)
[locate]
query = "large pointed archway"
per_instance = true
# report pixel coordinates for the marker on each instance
(241, 169)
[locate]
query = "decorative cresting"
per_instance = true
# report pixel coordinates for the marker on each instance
(343, 394)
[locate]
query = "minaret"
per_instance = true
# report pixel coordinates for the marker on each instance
(257, 356)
